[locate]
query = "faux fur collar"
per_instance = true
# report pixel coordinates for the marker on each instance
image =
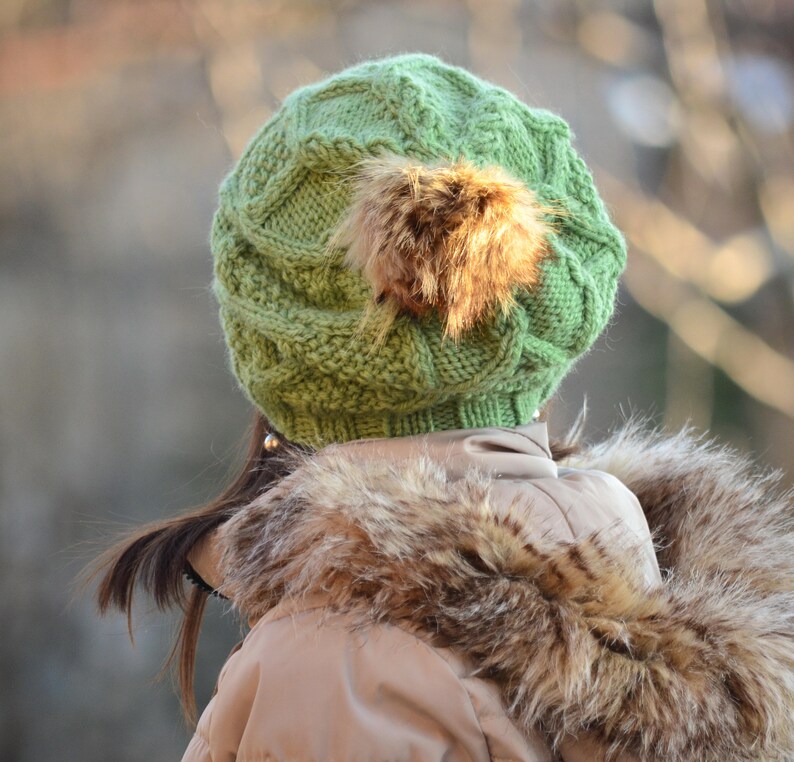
(700, 668)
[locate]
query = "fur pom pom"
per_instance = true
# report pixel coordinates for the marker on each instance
(454, 237)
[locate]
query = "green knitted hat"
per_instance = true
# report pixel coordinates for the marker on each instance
(329, 353)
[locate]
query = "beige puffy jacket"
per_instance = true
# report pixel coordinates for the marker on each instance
(459, 596)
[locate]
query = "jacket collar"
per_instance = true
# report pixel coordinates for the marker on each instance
(518, 453)
(699, 667)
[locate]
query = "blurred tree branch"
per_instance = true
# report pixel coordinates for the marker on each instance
(681, 272)
(710, 332)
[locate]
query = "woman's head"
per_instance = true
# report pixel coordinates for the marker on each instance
(405, 248)
(402, 249)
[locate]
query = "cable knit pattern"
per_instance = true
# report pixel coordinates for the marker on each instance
(291, 310)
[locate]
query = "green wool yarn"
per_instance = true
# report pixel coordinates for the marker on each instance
(291, 310)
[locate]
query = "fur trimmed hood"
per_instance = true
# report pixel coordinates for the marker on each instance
(700, 667)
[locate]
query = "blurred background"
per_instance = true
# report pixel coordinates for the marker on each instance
(118, 119)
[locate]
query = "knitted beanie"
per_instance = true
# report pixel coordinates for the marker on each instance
(475, 261)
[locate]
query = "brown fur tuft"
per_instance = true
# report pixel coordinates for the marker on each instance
(455, 238)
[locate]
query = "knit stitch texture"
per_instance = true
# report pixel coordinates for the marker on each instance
(291, 311)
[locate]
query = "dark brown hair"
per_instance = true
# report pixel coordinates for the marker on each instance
(154, 556)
